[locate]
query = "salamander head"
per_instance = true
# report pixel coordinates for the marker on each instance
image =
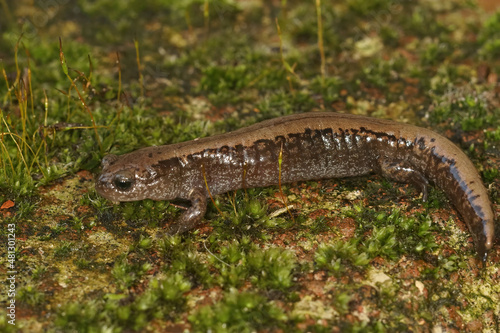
(125, 179)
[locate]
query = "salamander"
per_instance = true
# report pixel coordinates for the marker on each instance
(310, 146)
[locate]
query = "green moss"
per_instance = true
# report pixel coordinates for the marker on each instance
(489, 38)
(469, 112)
(83, 263)
(271, 268)
(26, 206)
(225, 83)
(38, 272)
(329, 88)
(127, 274)
(236, 262)
(395, 234)
(169, 245)
(147, 212)
(334, 257)
(31, 295)
(79, 316)
(490, 175)
(377, 326)
(5, 326)
(423, 23)
(380, 73)
(46, 233)
(245, 216)
(364, 8)
(239, 312)
(164, 298)
(64, 250)
(282, 103)
(115, 20)
(318, 225)
(193, 267)
(230, 260)
(144, 243)
(381, 234)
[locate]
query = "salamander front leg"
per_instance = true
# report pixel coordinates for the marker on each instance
(192, 216)
(404, 173)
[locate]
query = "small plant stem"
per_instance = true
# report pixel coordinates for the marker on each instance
(320, 41)
(65, 70)
(30, 85)
(206, 17)
(118, 63)
(46, 104)
(19, 150)
(187, 16)
(284, 11)
(8, 86)
(138, 59)
(6, 12)
(287, 66)
(91, 69)
(208, 189)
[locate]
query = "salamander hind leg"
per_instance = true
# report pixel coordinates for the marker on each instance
(403, 172)
(192, 216)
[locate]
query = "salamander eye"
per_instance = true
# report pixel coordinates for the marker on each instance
(123, 182)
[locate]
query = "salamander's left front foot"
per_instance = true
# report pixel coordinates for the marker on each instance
(192, 216)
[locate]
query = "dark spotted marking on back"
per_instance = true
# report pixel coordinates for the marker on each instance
(379, 135)
(420, 143)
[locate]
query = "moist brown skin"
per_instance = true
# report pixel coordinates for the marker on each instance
(314, 145)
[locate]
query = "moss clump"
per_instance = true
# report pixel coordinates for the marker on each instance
(239, 312)
(164, 298)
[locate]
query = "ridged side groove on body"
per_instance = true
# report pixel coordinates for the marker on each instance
(314, 145)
